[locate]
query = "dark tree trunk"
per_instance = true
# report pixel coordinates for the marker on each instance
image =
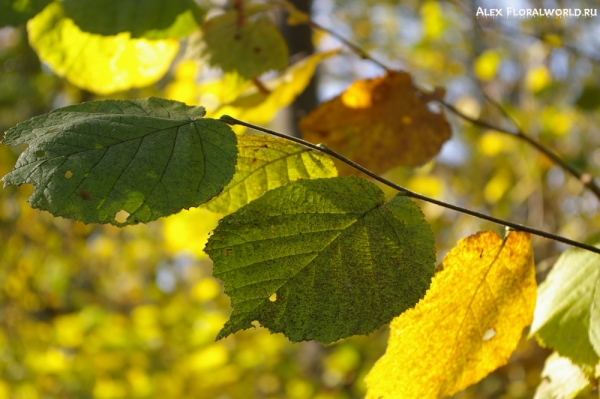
(299, 40)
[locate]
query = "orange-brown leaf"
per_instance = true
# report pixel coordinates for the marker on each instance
(467, 325)
(379, 123)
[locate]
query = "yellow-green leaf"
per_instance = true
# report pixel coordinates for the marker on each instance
(265, 163)
(567, 317)
(250, 46)
(338, 257)
(467, 325)
(561, 379)
(102, 64)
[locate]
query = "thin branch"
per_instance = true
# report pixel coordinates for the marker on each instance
(585, 178)
(324, 149)
(357, 49)
(261, 86)
(239, 8)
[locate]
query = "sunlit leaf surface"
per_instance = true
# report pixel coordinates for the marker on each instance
(468, 324)
(257, 107)
(123, 162)
(322, 259)
(561, 379)
(102, 64)
(265, 163)
(567, 316)
(151, 19)
(379, 123)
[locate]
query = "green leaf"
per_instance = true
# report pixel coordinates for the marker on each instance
(152, 19)
(265, 163)
(251, 49)
(561, 379)
(15, 12)
(98, 162)
(567, 314)
(322, 259)
(102, 64)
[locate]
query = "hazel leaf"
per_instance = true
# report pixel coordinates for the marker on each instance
(340, 259)
(122, 162)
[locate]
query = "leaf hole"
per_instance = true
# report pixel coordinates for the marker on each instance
(273, 297)
(434, 108)
(237, 36)
(489, 334)
(68, 174)
(121, 216)
(257, 50)
(86, 196)
(40, 153)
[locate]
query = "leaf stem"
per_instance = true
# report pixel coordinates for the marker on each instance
(326, 150)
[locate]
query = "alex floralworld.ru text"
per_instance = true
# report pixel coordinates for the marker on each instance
(537, 12)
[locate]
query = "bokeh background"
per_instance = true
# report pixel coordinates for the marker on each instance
(90, 311)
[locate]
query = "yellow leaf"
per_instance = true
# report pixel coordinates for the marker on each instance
(256, 107)
(433, 21)
(498, 186)
(538, 78)
(295, 16)
(493, 143)
(189, 230)
(467, 325)
(102, 64)
(379, 123)
(184, 88)
(486, 65)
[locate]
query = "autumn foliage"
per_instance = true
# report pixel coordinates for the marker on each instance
(184, 255)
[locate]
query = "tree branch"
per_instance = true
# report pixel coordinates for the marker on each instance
(585, 178)
(326, 150)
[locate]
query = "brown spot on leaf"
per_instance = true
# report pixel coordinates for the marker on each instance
(86, 196)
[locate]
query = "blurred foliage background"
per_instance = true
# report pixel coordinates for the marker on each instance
(91, 311)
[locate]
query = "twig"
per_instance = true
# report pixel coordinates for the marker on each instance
(239, 8)
(324, 149)
(585, 178)
(261, 86)
(357, 49)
